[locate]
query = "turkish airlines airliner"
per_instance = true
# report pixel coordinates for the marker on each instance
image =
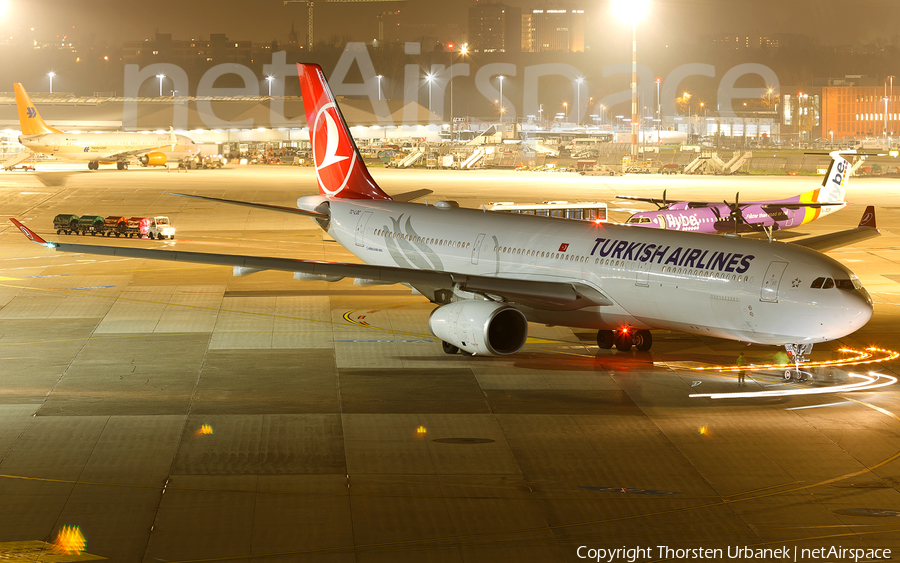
(491, 273)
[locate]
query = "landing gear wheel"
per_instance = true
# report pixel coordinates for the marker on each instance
(605, 339)
(624, 341)
(449, 348)
(120, 166)
(643, 340)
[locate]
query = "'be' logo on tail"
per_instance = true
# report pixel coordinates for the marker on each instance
(32, 113)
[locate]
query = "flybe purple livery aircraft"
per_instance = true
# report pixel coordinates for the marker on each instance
(490, 274)
(753, 216)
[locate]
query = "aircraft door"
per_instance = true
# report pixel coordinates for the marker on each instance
(769, 291)
(476, 248)
(361, 228)
(643, 274)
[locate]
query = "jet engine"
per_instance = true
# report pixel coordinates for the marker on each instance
(153, 159)
(480, 327)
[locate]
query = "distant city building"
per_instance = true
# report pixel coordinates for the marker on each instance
(860, 111)
(217, 49)
(550, 30)
(495, 28)
(734, 42)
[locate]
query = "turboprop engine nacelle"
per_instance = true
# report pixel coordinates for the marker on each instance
(153, 159)
(480, 327)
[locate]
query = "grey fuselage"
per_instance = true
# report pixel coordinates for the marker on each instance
(739, 289)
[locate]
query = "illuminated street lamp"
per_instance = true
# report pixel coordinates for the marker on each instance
(632, 11)
(566, 105)
(578, 82)
(379, 77)
(269, 79)
(160, 76)
(429, 78)
(500, 78)
(51, 74)
(463, 50)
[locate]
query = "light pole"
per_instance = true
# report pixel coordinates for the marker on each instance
(885, 123)
(462, 51)
(269, 79)
(429, 78)
(831, 133)
(602, 113)
(658, 112)
(160, 76)
(379, 77)
(51, 74)
(578, 82)
(500, 78)
(632, 11)
(566, 105)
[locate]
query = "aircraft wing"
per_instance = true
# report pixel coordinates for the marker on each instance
(548, 295)
(281, 208)
(654, 200)
(830, 241)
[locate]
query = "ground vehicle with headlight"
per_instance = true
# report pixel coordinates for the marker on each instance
(160, 228)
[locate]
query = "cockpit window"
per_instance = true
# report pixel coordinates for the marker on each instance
(848, 284)
(817, 283)
(638, 220)
(829, 283)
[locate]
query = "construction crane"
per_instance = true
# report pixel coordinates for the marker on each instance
(309, 11)
(381, 17)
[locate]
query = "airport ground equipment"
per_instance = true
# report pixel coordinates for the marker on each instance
(65, 223)
(160, 228)
(115, 225)
(90, 224)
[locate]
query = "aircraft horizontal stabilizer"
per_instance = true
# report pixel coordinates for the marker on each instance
(823, 243)
(413, 195)
(281, 208)
(555, 296)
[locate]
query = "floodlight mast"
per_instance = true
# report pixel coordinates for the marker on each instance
(632, 11)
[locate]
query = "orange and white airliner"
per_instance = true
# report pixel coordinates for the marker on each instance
(491, 273)
(96, 148)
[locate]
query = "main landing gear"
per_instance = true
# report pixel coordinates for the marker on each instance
(93, 165)
(798, 354)
(121, 165)
(623, 340)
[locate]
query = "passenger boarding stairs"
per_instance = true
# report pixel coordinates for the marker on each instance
(711, 163)
(411, 158)
(473, 160)
(18, 159)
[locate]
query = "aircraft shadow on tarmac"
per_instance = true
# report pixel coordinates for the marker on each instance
(57, 179)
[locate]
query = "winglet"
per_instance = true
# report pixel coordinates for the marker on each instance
(868, 218)
(32, 236)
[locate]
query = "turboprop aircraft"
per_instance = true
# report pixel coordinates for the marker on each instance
(107, 148)
(491, 273)
(752, 216)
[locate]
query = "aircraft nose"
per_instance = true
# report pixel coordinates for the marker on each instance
(858, 308)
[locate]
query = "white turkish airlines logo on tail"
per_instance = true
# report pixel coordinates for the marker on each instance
(326, 151)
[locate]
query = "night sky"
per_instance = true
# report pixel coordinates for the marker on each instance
(671, 21)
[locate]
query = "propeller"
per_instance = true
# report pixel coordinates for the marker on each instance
(737, 212)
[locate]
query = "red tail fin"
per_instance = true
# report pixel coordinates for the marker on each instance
(339, 167)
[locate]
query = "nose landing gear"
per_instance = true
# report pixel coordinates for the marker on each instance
(623, 340)
(798, 353)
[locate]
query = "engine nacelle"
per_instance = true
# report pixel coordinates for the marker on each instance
(480, 327)
(153, 159)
